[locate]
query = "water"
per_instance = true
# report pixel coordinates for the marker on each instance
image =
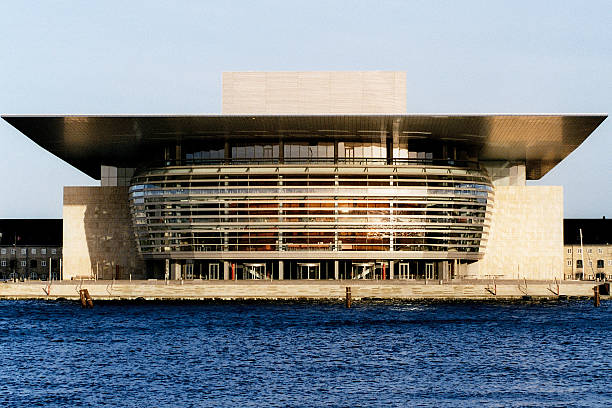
(54, 354)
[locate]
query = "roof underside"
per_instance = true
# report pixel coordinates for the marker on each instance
(86, 142)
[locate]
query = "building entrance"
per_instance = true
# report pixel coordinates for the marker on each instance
(429, 271)
(404, 271)
(309, 271)
(213, 271)
(188, 271)
(363, 270)
(254, 271)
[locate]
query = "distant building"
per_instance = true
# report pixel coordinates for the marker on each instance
(312, 175)
(592, 259)
(30, 248)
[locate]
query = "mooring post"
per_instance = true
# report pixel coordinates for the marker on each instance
(596, 295)
(89, 299)
(348, 297)
(86, 300)
(82, 297)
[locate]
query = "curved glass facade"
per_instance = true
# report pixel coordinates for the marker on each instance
(318, 210)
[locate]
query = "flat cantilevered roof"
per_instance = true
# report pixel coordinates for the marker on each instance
(86, 141)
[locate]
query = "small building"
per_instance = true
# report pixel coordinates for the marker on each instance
(30, 248)
(589, 256)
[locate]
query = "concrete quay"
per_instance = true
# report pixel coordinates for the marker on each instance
(297, 290)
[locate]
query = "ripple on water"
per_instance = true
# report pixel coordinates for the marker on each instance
(299, 354)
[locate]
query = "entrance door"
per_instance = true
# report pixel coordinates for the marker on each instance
(309, 271)
(188, 271)
(254, 271)
(404, 271)
(363, 271)
(213, 271)
(429, 271)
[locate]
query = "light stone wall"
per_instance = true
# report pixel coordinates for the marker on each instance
(526, 235)
(98, 234)
(336, 92)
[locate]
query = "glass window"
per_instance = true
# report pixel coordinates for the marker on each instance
(569, 262)
(590, 263)
(53, 251)
(3, 263)
(33, 251)
(579, 250)
(23, 263)
(590, 250)
(579, 263)
(600, 263)
(24, 251)
(12, 251)
(43, 251)
(268, 152)
(43, 263)
(3, 251)
(569, 250)
(610, 262)
(599, 251)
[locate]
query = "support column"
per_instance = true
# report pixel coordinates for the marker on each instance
(391, 269)
(336, 270)
(281, 270)
(226, 267)
(175, 271)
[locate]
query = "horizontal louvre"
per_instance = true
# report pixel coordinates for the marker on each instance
(276, 209)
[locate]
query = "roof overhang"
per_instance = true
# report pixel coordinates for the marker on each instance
(87, 141)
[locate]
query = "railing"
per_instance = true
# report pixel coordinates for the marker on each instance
(313, 160)
(523, 286)
(554, 287)
(492, 286)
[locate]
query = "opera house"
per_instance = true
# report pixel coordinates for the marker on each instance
(312, 175)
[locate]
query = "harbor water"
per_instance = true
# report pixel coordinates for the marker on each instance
(549, 354)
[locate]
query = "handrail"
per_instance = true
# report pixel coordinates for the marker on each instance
(524, 290)
(312, 160)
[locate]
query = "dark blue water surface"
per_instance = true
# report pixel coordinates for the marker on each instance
(298, 354)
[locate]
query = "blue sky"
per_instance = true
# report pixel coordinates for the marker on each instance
(167, 57)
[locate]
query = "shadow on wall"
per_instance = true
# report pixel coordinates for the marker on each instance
(109, 234)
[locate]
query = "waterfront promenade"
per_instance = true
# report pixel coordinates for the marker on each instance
(297, 290)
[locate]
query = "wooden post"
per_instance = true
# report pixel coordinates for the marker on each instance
(82, 298)
(86, 300)
(596, 295)
(348, 297)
